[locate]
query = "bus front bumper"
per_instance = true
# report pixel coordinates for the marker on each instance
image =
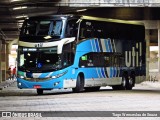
(49, 84)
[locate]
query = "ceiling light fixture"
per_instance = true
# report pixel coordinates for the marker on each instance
(18, 8)
(20, 21)
(81, 10)
(22, 16)
(16, 0)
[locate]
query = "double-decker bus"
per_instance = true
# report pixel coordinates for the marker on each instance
(80, 52)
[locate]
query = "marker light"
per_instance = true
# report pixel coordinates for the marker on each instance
(56, 83)
(19, 84)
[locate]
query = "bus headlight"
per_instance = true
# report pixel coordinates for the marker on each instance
(59, 75)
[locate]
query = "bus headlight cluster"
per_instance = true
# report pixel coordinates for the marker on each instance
(59, 75)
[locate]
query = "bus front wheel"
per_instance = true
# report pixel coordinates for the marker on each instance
(79, 84)
(39, 91)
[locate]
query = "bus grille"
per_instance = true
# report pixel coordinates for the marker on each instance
(37, 79)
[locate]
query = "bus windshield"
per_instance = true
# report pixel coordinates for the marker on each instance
(42, 28)
(38, 59)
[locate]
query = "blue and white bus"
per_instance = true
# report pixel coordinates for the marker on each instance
(80, 52)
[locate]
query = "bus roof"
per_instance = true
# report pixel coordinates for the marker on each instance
(88, 18)
(55, 16)
(112, 20)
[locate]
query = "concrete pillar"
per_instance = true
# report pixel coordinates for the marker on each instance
(147, 52)
(3, 61)
(7, 59)
(159, 46)
(0, 60)
(148, 25)
(7, 56)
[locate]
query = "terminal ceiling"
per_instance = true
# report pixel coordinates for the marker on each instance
(12, 14)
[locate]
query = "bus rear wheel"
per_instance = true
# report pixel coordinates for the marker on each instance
(39, 91)
(79, 84)
(124, 83)
(130, 83)
(122, 86)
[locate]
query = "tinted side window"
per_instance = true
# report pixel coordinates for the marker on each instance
(86, 29)
(95, 60)
(72, 28)
(68, 58)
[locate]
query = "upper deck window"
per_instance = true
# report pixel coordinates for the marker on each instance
(42, 28)
(72, 28)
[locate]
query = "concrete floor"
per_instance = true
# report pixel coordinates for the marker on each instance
(144, 97)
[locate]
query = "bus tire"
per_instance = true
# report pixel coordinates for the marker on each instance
(124, 83)
(130, 83)
(39, 91)
(79, 84)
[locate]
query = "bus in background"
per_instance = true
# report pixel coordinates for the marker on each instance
(80, 52)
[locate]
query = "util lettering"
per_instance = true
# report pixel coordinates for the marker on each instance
(133, 57)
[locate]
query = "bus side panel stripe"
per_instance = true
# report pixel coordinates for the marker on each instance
(103, 73)
(111, 72)
(97, 45)
(105, 69)
(100, 45)
(92, 45)
(100, 72)
(108, 71)
(115, 70)
(110, 45)
(106, 44)
(114, 46)
(103, 45)
(97, 72)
